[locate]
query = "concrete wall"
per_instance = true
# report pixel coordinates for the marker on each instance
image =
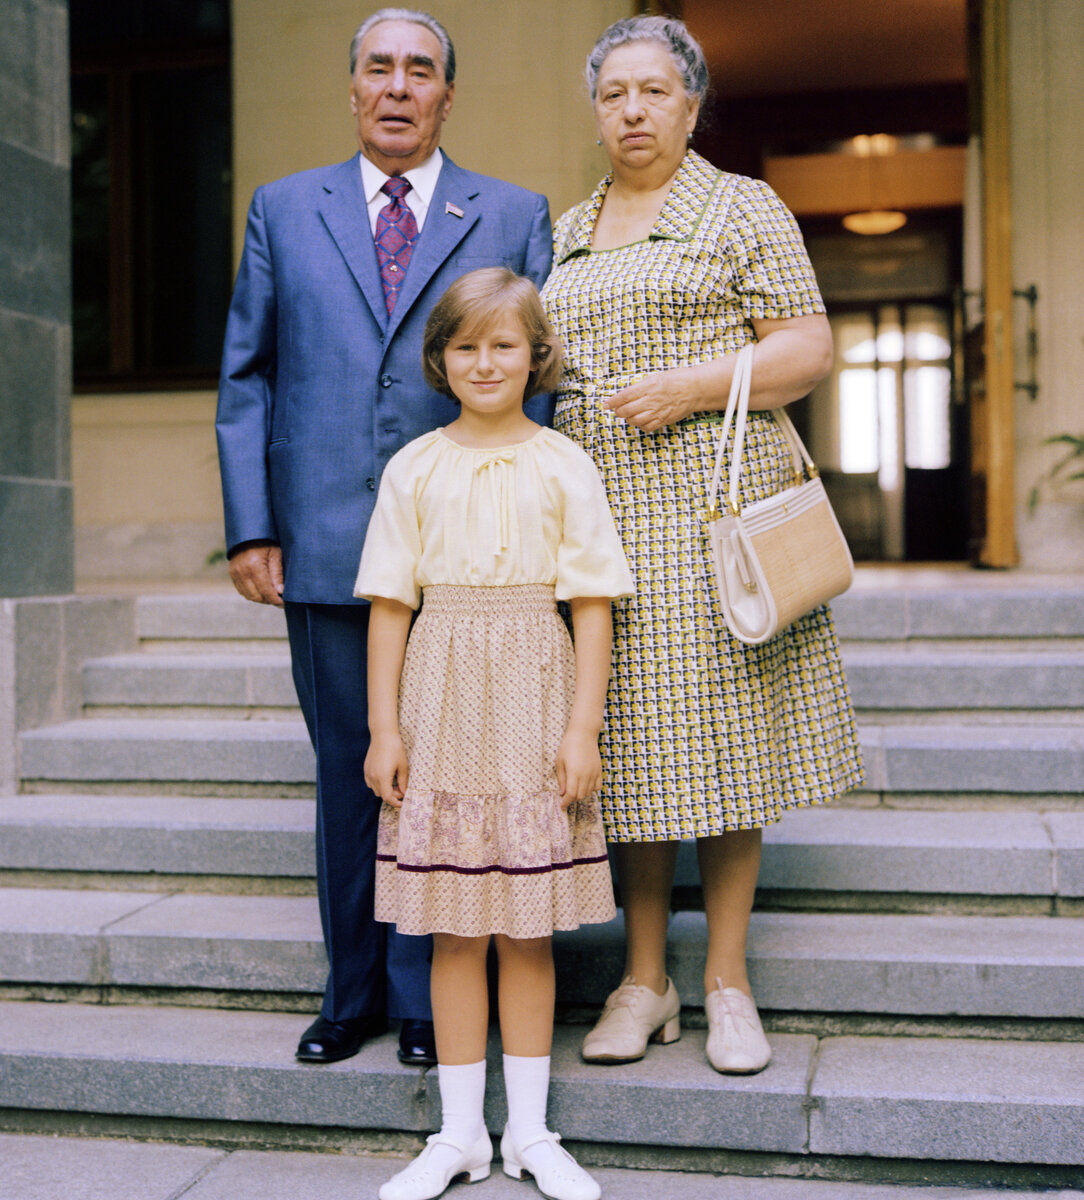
(35, 301)
(147, 499)
(1046, 48)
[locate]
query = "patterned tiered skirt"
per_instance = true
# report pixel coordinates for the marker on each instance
(481, 844)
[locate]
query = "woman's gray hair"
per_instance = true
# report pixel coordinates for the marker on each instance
(415, 17)
(670, 33)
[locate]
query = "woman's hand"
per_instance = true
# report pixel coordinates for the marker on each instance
(386, 768)
(579, 766)
(662, 398)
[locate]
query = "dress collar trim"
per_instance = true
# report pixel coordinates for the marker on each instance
(693, 186)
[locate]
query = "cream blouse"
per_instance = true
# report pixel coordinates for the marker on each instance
(533, 512)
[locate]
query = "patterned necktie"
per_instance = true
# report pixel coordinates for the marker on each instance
(396, 230)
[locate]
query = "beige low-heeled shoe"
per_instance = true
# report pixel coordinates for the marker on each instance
(736, 1041)
(633, 1016)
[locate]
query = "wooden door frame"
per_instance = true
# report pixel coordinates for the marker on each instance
(996, 412)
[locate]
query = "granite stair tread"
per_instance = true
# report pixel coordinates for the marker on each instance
(71, 1168)
(816, 962)
(193, 679)
(881, 678)
(830, 849)
(1020, 758)
(940, 678)
(935, 1098)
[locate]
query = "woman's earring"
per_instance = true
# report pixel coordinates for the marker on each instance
(598, 141)
(689, 136)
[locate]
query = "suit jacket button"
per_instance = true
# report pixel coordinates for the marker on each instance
(370, 483)
(385, 381)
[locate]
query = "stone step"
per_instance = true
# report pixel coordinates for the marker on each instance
(249, 753)
(902, 965)
(217, 616)
(819, 850)
(971, 607)
(890, 678)
(195, 681)
(166, 835)
(948, 680)
(80, 1168)
(939, 1098)
(1024, 760)
(904, 606)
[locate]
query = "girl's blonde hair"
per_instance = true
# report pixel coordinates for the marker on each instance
(479, 299)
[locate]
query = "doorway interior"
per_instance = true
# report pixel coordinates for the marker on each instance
(845, 109)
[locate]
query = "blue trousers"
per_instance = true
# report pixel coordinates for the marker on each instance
(372, 969)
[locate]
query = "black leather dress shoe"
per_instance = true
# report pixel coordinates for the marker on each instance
(329, 1041)
(417, 1044)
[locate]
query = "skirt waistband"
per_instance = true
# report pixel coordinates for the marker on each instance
(516, 597)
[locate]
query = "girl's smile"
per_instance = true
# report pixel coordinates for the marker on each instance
(488, 369)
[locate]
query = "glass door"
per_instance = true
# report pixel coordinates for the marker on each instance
(885, 432)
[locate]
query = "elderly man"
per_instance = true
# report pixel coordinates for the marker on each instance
(321, 384)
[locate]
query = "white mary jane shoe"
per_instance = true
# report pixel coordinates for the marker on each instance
(633, 1016)
(556, 1172)
(736, 1041)
(431, 1172)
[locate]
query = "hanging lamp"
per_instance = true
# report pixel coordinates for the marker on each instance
(872, 220)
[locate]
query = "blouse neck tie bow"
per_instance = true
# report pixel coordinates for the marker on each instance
(497, 466)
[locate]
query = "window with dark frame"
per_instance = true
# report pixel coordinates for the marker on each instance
(151, 191)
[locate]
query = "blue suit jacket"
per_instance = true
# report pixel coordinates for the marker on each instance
(319, 386)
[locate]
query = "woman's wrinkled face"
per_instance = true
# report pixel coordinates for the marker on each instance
(643, 113)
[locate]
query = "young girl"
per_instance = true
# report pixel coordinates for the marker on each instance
(484, 723)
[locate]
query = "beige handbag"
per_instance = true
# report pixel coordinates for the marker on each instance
(777, 559)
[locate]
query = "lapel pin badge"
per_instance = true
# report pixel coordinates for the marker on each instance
(449, 207)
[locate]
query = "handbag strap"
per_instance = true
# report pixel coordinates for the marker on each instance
(739, 383)
(737, 411)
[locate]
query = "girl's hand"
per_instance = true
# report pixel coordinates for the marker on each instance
(662, 398)
(579, 766)
(386, 768)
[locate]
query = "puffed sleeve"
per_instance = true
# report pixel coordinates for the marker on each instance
(772, 272)
(393, 544)
(590, 558)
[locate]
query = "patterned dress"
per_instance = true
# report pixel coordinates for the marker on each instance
(703, 734)
(489, 538)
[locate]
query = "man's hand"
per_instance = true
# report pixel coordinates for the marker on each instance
(386, 768)
(579, 766)
(256, 572)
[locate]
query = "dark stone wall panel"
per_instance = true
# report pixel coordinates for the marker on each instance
(34, 403)
(35, 233)
(34, 76)
(36, 539)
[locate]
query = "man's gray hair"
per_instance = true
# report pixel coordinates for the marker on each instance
(415, 17)
(670, 33)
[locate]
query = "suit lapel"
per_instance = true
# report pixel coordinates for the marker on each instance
(344, 213)
(443, 230)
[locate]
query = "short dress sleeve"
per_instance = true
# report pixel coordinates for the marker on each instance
(590, 558)
(772, 273)
(393, 544)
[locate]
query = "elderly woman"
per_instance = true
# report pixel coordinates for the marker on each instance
(660, 276)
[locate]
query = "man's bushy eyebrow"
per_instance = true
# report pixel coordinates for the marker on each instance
(386, 60)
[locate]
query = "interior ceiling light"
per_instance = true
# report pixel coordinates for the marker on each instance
(873, 220)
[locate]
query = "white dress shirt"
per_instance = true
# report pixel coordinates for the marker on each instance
(423, 183)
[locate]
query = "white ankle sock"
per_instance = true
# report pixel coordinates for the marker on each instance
(462, 1093)
(527, 1086)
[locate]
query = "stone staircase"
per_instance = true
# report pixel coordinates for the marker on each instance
(917, 953)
